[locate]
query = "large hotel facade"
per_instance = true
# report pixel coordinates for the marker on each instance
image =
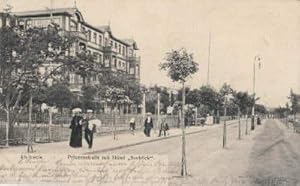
(112, 53)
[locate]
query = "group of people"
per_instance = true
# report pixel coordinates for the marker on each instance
(77, 124)
(80, 122)
(148, 125)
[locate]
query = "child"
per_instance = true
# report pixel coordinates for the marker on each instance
(132, 125)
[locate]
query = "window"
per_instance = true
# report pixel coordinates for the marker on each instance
(83, 29)
(115, 62)
(29, 23)
(119, 49)
(89, 35)
(123, 50)
(100, 58)
(116, 45)
(100, 40)
(95, 37)
(95, 55)
(111, 43)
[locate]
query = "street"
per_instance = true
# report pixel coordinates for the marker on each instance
(268, 156)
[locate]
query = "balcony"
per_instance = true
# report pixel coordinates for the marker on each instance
(80, 35)
(107, 48)
(136, 59)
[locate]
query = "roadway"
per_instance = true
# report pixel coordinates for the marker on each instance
(267, 156)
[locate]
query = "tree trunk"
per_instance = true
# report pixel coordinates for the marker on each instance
(247, 121)
(50, 124)
(113, 122)
(29, 140)
(239, 118)
(225, 127)
(183, 160)
(7, 127)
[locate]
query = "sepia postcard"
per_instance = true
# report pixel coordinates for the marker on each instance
(150, 93)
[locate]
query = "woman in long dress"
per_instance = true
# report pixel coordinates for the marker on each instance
(76, 133)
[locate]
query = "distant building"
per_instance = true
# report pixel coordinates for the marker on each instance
(112, 53)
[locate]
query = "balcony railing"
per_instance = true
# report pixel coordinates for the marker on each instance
(134, 58)
(80, 35)
(107, 48)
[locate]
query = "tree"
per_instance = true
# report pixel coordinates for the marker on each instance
(243, 102)
(180, 66)
(280, 111)
(115, 96)
(23, 53)
(194, 97)
(88, 97)
(130, 86)
(294, 100)
(59, 96)
(210, 98)
(164, 99)
(224, 92)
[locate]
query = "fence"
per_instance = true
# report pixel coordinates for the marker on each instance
(60, 131)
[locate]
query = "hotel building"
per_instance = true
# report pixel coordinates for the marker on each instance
(111, 53)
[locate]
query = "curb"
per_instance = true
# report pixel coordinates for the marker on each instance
(142, 142)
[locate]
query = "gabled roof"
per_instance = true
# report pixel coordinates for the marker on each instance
(104, 28)
(74, 12)
(131, 42)
(47, 11)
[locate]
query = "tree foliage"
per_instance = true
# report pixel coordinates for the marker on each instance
(180, 65)
(59, 96)
(294, 100)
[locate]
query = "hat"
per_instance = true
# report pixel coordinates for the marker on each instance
(89, 111)
(149, 113)
(76, 110)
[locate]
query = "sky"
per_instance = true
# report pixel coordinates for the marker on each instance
(240, 30)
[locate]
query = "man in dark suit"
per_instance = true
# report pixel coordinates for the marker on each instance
(89, 128)
(148, 125)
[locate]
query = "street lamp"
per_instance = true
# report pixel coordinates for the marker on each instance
(257, 59)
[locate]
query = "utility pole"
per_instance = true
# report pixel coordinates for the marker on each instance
(256, 58)
(246, 132)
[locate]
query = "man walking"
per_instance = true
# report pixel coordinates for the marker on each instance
(148, 125)
(89, 129)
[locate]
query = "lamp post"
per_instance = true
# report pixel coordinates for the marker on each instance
(256, 59)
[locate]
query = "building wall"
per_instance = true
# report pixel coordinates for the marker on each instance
(110, 52)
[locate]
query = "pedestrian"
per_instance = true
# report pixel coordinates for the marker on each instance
(148, 124)
(76, 133)
(164, 127)
(89, 129)
(132, 125)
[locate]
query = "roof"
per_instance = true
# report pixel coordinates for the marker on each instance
(74, 11)
(131, 42)
(104, 28)
(70, 11)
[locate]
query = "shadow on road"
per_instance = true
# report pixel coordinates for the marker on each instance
(275, 156)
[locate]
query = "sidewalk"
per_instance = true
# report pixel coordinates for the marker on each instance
(107, 143)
